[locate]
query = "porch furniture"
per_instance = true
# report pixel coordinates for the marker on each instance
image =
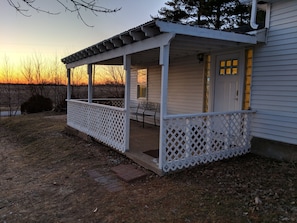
(149, 109)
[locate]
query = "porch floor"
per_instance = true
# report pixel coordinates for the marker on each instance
(144, 139)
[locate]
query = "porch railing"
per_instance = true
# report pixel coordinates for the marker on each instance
(200, 138)
(116, 102)
(103, 122)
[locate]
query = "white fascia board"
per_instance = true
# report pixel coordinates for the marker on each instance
(260, 34)
(146, 44)
(205, 33)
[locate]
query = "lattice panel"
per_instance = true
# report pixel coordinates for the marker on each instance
(204, 138)
(104, 123)
(118, 103)
(115, 102)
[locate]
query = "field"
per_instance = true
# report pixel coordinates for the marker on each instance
(13, 95)
(45, 177)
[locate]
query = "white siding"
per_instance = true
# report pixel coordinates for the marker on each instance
(185, 86)
(154, 84)
(274, 81)
(153, 91)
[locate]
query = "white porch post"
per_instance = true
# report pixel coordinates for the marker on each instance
(90, 83)
(164, 62)
(68, 84)
(127, 67)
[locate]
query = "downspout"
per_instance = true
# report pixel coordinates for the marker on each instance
(254, 15)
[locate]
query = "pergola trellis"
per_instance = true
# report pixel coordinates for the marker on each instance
(157, 42)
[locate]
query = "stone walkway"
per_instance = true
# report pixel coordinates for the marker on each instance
(112, 181)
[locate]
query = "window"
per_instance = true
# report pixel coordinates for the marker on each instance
(228, 67)
(142, 83)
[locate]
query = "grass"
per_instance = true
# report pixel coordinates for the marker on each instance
(44, 179)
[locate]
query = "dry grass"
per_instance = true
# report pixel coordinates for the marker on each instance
(44, 179)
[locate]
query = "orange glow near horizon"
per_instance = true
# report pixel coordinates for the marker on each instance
(36, 70)
(13, 66)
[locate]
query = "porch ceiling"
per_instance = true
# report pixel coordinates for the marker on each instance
(144, 41)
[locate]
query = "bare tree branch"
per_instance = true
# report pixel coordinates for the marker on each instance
(17, 7)
(30, 4)
(74, 6)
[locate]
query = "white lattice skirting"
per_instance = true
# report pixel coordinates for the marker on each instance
(103, 122)
(195, 139)
(187, 140)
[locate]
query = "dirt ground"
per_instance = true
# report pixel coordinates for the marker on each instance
(45, 177)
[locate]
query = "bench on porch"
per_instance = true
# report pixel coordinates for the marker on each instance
(147, 109)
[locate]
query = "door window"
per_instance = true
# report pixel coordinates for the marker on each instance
(228, 67)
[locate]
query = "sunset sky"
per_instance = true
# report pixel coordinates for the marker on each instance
(60, 35)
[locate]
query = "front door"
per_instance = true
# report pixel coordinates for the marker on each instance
(226, 91)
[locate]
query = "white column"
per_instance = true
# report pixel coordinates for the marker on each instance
(90, 84)
(68, 84)
(127, 67)
(164, 62)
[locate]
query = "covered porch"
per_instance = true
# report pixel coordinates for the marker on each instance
(186, 136)
(187, 140)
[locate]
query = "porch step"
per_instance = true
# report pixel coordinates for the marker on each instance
(146, 161)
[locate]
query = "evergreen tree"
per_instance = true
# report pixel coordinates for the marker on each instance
(227, 14)
(218, 14)
(175, 12)
(197, 9)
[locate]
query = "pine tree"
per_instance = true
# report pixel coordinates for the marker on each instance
(196, 10)
(217, 14)
(175, 12)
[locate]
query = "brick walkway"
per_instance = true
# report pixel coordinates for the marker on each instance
(112, 181)
(128, 173)
(107, 179)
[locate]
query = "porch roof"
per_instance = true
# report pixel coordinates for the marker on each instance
(144, 41)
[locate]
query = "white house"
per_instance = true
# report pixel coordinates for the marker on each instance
(274, 84)
(216, 90)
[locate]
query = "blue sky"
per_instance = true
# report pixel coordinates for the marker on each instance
(60, 35)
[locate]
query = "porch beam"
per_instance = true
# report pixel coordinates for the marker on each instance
(95, 49)
(117, 42)
(164, 62)
(150, 31)
(136, 47)
(101, 48)
(90, 52)
(90, 83)
(108, 45)
(127, 67)
(126, 39)
(136, 35)
(205, 33)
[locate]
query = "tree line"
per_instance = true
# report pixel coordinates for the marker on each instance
(47, 78)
